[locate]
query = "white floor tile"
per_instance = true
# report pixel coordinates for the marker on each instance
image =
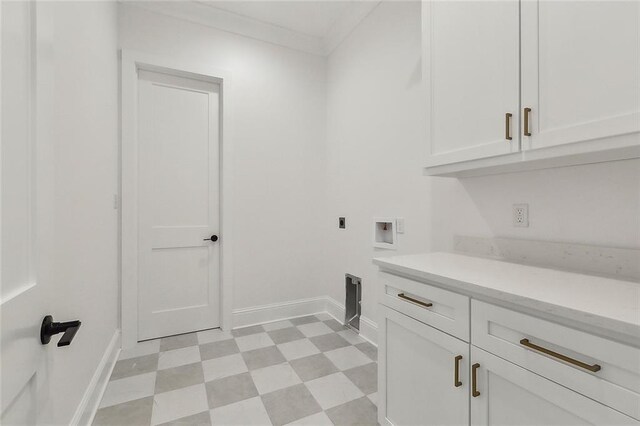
(351, 337)
(140, 349)
(177, 357)
(277, 325)
(254, 341)
(128, 389)
(314, 329)
(324, 316)
(373, 398)
(318, 419)
(347, 357)
(275, 377)
(179, 403)
(298, 349)
(213, 335)
(225, 366)
(333, 390)
(248, 412)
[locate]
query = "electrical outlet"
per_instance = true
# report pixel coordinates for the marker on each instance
(521, 215)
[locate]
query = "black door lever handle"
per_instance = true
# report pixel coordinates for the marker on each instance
(50, 328)
(213, 238)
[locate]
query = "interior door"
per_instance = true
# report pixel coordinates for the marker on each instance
(472, 70)
(512, 396)
(580, 70)
(24, 31)
(178, 160)
(417, 372)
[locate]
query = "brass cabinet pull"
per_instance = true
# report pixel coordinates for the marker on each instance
(412, 300)
(474, 380)
(527, 113)
(456, 379)
(593, 368)
(507, 125)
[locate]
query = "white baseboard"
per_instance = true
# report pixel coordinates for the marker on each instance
(296, 308)
(93, 395)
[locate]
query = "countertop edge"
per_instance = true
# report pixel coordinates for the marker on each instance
(603, 326)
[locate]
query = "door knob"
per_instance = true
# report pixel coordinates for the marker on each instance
(50, 328)
(213, 238)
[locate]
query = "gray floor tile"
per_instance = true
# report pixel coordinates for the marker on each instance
(132, 413)
(263, 357)
(369, 350)
(335, 325)
(312, 367)
(289, 404)
(285, 335)
(304, 320)
(179, 341)
(364, 377)
(218, 349)
(132, 366)
(357, 412)
(230, 389)
(179, 377)
(245, 331)
(200, 419)
(328, 342)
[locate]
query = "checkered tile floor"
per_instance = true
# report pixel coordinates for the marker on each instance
(309, 370)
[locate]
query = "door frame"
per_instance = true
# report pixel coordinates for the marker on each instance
(131, 62)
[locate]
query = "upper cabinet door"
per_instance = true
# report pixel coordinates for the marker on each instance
(580, 70)
(471, 70)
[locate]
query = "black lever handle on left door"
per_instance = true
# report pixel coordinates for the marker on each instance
(213, 238)
(50, 328)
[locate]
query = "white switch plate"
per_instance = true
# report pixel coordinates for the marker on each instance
(400, 225)
(521, 215)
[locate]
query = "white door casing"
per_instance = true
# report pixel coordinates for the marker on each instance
(178, 205)
(26, 194)
(134, 62)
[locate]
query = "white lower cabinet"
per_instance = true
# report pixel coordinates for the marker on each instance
(536, 373)
(509, 395)
(417, 374)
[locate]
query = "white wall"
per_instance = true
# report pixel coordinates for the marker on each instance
(84, 281)
(279, 133)
(376, 128)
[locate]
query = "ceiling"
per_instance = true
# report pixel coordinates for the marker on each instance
(314, 26)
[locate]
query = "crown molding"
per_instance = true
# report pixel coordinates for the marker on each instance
(211, 16)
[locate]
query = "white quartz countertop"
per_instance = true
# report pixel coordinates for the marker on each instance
(604, 304)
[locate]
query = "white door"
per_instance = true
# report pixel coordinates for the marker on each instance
(178, 205)
(509, 395)
(580, 70)
(472, 74)
(417, 372)
(25, 180)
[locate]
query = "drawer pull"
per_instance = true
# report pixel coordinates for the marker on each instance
(456, 379)
(474, 380)
(412, 300)
(593, 368)
(507, 130)
(527, 113)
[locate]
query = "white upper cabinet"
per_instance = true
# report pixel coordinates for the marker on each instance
(567, 71)
(472, 73)
(580, 70)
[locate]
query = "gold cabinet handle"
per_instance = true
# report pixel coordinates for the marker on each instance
(474, 380)
(527, 114)
(507, 126)
(593, 368)
(456, 378)
(416, 301)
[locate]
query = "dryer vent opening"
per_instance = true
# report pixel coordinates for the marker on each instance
(353, 296)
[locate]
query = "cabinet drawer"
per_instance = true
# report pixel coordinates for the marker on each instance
(604, 370)
(442, 309)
